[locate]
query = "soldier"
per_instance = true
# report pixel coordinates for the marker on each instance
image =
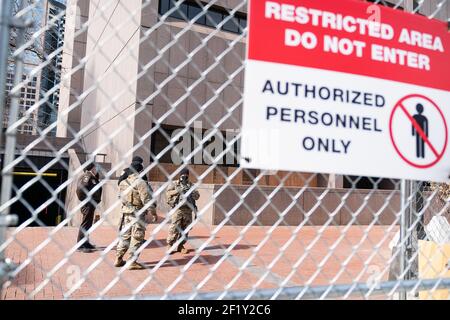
(87, 182)
(181, 194)
(127, 171)
(136, 195)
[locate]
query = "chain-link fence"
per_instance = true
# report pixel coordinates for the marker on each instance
(88, 86)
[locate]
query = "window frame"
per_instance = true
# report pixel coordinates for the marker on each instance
(238, 20)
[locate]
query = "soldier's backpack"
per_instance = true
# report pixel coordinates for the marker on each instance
(127, 193)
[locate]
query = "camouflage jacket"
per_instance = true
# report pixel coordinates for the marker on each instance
(174, 195)
(135, 193)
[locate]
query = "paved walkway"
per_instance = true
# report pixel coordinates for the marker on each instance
(49, 269)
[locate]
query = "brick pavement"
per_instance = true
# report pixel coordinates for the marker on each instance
(52, 271)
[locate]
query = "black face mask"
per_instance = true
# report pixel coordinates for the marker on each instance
(184, 178)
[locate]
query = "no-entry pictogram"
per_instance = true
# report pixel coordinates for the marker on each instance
(418, 131)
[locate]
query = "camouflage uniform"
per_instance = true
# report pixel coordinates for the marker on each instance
(135, 194)
(182, 217)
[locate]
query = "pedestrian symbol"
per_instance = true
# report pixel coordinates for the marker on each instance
(420, 131)
(425, 120)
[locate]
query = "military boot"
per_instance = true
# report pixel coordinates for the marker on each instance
(182, 249)
(119, 262)
(170, 250)
(136, 266)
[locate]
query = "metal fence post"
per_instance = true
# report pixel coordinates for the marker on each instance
(407, 190)
(10, 144)
(5, 13)
(410, 219)
(404, 222)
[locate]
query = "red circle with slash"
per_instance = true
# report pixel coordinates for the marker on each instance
(400, 107)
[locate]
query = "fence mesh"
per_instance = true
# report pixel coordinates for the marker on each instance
(101, 82)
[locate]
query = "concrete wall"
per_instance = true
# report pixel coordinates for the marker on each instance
(168, 63)
(112, 65)
(208, 93)
(72, 78)
(316, 205)
(429, 7)
(71, 203)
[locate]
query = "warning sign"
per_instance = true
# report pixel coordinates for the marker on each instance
(346, 87)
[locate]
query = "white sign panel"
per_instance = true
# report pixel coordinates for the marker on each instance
(376, 105)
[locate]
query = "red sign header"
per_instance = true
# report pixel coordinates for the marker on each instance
(351, 36)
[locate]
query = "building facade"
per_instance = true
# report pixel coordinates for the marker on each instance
(39, 96)
(37, 103)
(29, 96)
(151, 72)
(53, 40)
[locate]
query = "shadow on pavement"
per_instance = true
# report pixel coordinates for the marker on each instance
(204, 259)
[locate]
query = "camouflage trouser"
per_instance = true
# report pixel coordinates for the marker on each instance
(181, 219)
(133, 235)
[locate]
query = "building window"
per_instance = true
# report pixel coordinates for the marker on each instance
(188, 10)
(165, 151)
(195, 11)
(213, 18)
(181, 13)
(232, 25)
(357, 182)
